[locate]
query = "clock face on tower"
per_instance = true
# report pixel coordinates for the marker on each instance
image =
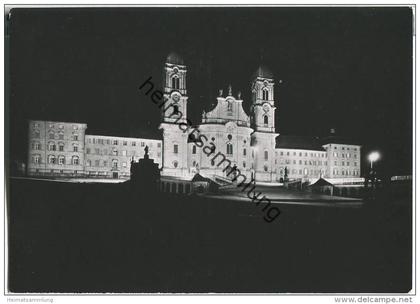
(175, 98)
(266, 108)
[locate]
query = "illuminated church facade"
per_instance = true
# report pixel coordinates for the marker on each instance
(226, 137)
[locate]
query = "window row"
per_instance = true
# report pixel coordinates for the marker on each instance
(304, 172)
(345, 163)
(60, 160)
(52, 126)
(336, 172)
(305, 162)
(104, 163)
(117, 142)
(116, 152)
(342, 148)
(344, 155)
(322, 155)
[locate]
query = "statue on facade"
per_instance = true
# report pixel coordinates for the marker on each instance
(230, 90)
(146, 152)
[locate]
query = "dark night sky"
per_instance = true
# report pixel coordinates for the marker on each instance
(347, 68)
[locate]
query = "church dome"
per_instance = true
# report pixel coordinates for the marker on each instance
(263, 72)
(174, 58)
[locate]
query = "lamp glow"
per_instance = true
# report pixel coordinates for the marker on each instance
(373, 157)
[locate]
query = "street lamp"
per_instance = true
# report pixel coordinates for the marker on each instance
(373, 157)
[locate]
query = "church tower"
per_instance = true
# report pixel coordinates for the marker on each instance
(263, 123)
(174, 113)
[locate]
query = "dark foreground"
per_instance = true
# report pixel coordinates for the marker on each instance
(98, 238)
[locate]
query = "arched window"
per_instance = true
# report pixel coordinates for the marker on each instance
(51, 135)
(265, 168)
(265, 120)
(265, 94)
(61, 160)
(229, 149)
(194, 149)
(175, 83)
(60, 146)
(75, 160)
(51, 159)
(265, 155)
